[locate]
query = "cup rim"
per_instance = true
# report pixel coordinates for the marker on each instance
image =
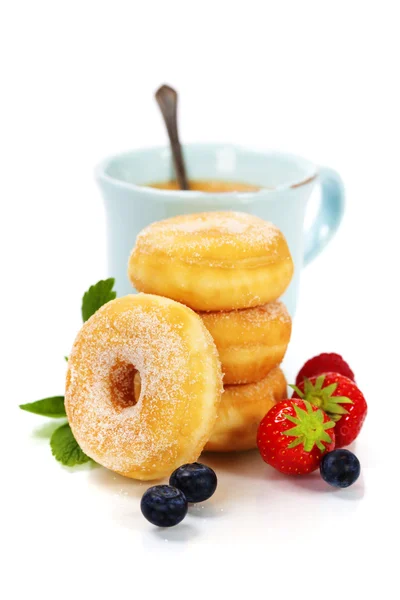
(101, 174)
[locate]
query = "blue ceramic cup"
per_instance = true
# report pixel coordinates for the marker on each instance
(286, 181)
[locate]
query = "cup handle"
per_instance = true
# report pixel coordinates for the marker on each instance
(329, 215)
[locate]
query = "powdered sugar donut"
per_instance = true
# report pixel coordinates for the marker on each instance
(169, 424)
(212, 261)
(250, 341)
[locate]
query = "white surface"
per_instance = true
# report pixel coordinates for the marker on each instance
(315, 78)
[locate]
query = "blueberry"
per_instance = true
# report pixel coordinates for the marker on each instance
(164, 505)
(340, 468)
(198, 482)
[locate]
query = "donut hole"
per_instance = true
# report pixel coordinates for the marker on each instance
(122, 375)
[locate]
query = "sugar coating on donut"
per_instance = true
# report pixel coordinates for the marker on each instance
(201, 234)
(251, 317)
(270, 311)
(268, 325)
(102, 357)
(232, 223)
(110, 348)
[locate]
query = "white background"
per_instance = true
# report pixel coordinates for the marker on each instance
(314, 78)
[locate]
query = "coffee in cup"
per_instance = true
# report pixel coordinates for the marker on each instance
(207, 185)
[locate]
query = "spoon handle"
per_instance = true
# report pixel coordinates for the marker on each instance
(167, 99)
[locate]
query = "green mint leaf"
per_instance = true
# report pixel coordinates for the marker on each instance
(97, 295)
(65, 448)
(66, 358)
(48, 407)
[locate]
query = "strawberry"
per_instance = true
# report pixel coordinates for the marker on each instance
(324, 363)
(294, 435)
(342, 401)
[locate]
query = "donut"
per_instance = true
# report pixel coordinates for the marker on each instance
(212, 261)
(250, 341)
(240, 412)
(169, 423)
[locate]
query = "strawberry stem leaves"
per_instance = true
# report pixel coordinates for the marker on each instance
(322, 397)
(310, 429)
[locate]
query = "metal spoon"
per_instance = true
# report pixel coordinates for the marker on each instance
(167, 99)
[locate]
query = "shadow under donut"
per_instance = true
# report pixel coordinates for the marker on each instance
(112, 483)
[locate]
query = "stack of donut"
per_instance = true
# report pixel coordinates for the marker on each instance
(144, 390)
(230, 268)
